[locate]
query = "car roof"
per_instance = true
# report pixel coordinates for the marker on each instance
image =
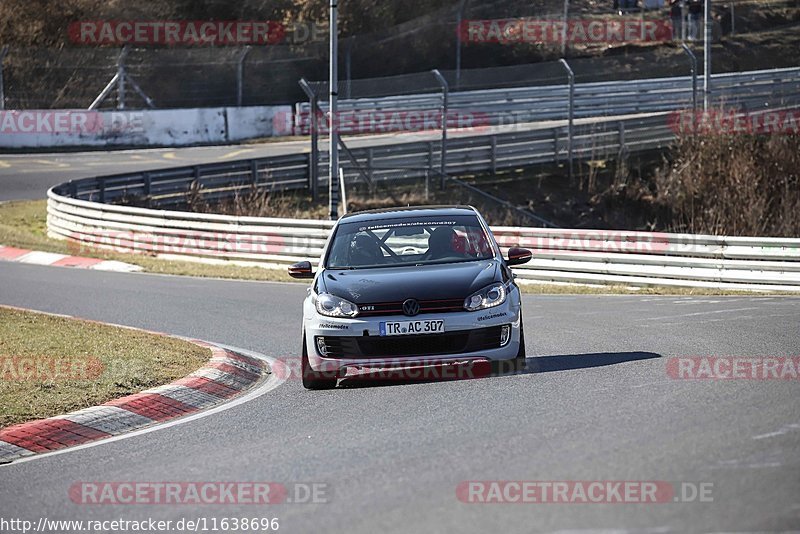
(410, 211)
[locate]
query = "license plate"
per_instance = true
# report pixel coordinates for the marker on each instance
(404, 328)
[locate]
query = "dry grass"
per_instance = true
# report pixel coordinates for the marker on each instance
(100, 363)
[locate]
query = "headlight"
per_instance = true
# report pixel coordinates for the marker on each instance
(488, 297)
(333, 306)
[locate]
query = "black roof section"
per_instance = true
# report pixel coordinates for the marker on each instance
(401, 212)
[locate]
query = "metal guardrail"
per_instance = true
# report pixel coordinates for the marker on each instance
(475, 153)
(80, 210)
(777, 87)
(562, 256)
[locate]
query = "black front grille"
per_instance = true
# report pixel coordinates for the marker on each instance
(425, 306)
(464, 341)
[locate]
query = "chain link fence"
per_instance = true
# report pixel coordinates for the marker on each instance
(387, 61)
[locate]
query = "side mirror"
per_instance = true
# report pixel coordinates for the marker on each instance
(518, 256)
(301, 270)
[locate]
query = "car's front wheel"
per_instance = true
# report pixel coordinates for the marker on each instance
(315, 379)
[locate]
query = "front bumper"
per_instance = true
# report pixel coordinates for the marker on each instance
(358, 343)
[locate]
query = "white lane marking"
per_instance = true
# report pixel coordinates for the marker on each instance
(781, 431)
(275, 379)
(235, 153)
(698, 313)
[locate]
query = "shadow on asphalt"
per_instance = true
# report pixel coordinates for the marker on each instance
(482, 369)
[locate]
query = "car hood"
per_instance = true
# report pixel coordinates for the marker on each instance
(394, 284)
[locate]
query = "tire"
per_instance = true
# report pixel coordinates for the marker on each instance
(500, 367)
(314, 379)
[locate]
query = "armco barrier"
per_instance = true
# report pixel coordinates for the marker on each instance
(739, 90)
(569, 256)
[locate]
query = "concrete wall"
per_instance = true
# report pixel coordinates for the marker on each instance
(145, 128)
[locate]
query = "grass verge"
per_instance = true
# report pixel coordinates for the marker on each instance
(52, 365)
(23, 224)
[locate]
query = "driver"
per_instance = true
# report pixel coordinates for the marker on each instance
(440, 243)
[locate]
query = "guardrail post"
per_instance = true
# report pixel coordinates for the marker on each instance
(622, 147)
(570, 129)
(240, 76)
(146, 184)
(693, 67)
(3, 54)
(313, 164)
(101, 184)
(445, 97)
(369, 169)
(254, 172)
(493, 141)
(427, 184)
(555, 145)
(430, 155)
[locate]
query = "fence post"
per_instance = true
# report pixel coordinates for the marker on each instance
(240, 76)
(570, 132)
(622, 148)
(3, 54)
(313, 164)
(121, 77)
(459, 35)
(445, 106)
(564, 31)
(693, 67)
(430, 155)
(706, 55)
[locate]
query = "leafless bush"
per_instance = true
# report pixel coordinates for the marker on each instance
(733, 185)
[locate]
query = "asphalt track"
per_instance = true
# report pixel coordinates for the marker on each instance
(600, 406)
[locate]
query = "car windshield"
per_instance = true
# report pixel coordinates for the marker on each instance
(408, 241)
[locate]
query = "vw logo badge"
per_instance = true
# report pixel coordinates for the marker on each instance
(411, 307)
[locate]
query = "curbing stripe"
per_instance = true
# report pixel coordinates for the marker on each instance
(38, 257)
(75, 261)
(11, 253)
(153, 406)
(49, 434)
(10, 451)
(109, 419)
(194, 398)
